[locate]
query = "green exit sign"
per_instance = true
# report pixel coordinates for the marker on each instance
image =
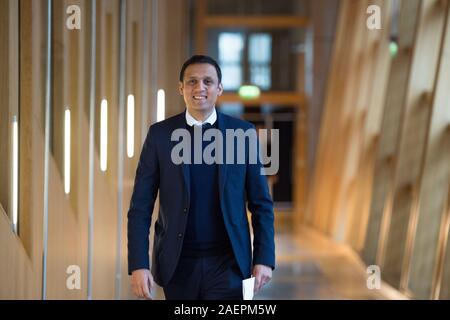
(249, 92)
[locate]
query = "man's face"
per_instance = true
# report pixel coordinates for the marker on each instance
(200, 87)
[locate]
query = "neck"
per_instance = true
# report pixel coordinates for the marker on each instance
(201, 116)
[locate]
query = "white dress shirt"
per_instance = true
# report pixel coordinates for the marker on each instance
(191, 121)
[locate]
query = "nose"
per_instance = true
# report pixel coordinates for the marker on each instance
(199, 86)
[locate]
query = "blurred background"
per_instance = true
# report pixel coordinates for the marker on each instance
(358, 89)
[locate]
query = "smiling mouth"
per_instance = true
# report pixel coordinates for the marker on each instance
(199, 98)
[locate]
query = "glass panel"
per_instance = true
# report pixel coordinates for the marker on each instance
(231, 76)
(231, 47)
(260, 48)
(260, 57)
(266, 58)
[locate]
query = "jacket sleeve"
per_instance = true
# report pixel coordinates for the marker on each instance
(146, 186)
(261, 207)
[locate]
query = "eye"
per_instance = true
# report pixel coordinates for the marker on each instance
(208, 81)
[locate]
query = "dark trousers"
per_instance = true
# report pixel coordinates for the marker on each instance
(206, 278)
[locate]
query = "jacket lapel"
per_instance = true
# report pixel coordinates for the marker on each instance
(184, 168)
(222, 125)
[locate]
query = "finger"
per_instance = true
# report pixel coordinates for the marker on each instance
(145, 290)
(151, 286)
(263, 281)
(255, 287)
(137, 291)
(257, 283)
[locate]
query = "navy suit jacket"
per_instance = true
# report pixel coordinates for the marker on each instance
(238, 184)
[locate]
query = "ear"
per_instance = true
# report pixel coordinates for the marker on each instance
(220, 89)
(180, 87)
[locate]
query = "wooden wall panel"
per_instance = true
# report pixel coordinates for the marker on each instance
(173, 51)
(105, 183)
(21, 257)
(8, 89)
(372, 105)
(387, 151)
(67, 219)
(442, 287)
(348, 121)
(435, 178)
(364, 126)
(412, 140)
(382, 174)
(350, 110)
(135, 56)
(317, 211)
(324, 14)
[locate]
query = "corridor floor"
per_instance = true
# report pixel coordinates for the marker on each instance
(312, 267)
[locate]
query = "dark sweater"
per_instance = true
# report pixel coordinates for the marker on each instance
(206, 234)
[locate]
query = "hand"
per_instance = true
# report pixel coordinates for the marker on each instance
(262, 275)
(142, 283)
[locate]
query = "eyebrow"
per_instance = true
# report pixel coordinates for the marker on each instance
(205, 78)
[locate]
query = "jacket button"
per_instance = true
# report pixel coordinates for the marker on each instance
(185, 210)
(180, 235)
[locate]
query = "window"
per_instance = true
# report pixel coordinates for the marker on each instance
(260, 56)
(245, 58)
(231, 47)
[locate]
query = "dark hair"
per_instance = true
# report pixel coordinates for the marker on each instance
(200, 59)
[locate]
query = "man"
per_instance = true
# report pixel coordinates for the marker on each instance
(202, 247)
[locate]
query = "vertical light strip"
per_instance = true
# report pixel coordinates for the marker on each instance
(15, 172)
(67, 151)
(92, 147)
(103, 135)
(161, 105)
(48, 83)
(130, 126)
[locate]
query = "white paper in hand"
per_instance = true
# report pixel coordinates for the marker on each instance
(248, 286)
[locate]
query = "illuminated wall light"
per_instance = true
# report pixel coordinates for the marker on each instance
(249, 92)
(103, 135)
(130, 126)
(15, 171)
(161, 105)
(67, 151)
(393, 48)
(393, 45)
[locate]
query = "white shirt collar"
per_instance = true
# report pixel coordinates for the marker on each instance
(190, 120)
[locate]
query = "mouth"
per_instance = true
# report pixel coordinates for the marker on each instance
(199, 98)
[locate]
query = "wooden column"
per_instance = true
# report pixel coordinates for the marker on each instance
(412, 143)
(387, 150)
(429, 220)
